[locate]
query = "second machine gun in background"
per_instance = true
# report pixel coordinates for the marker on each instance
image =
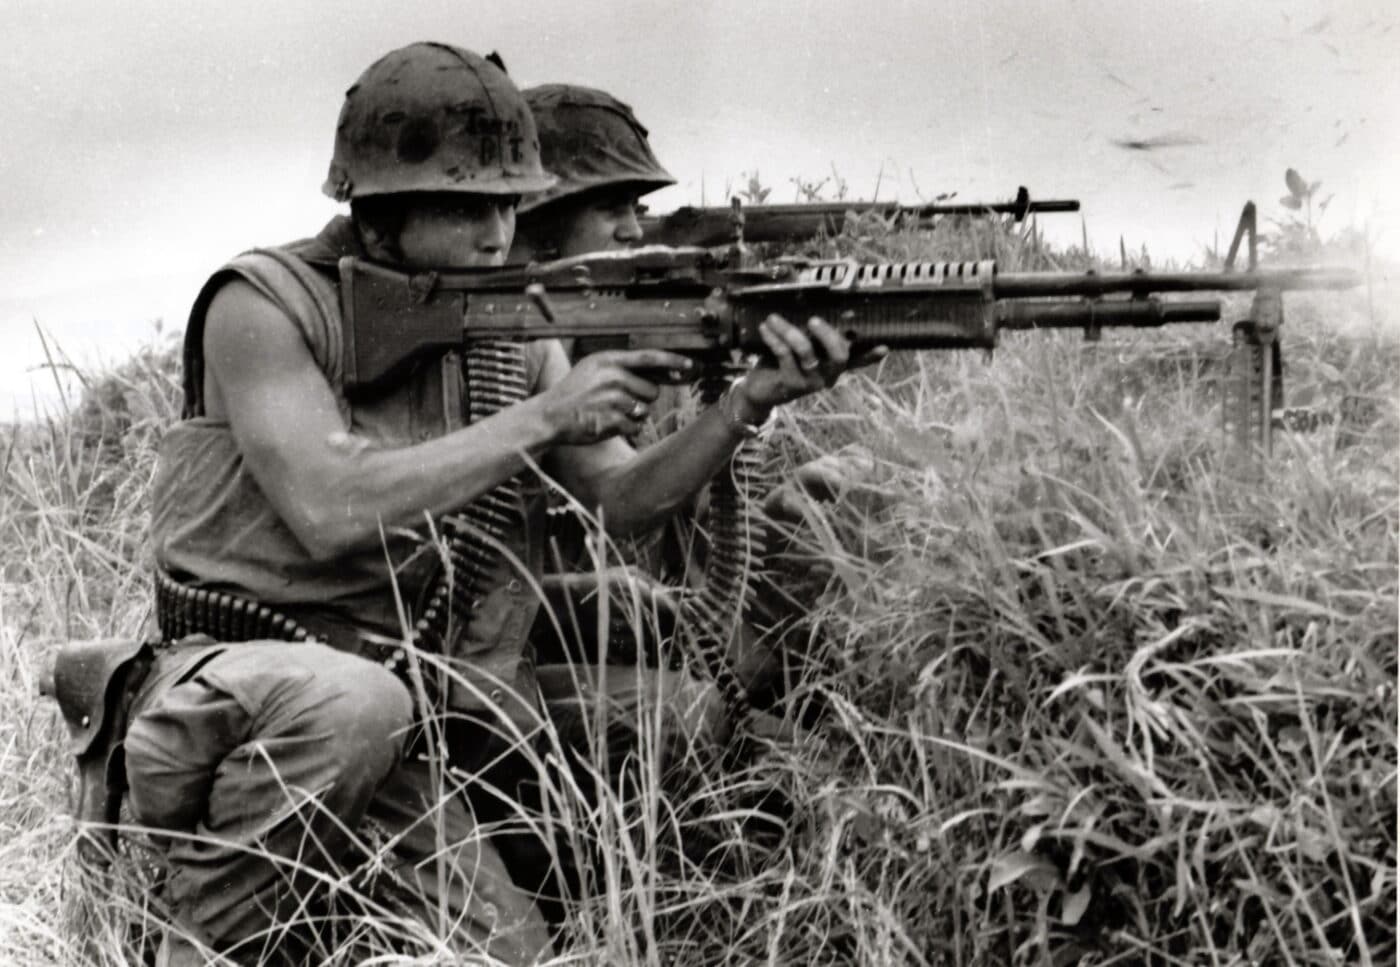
(739, 224)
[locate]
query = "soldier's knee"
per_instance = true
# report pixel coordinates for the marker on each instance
(163, 791)
(318, 717)
(362, 711)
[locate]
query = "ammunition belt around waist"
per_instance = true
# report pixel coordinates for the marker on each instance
(182, 610)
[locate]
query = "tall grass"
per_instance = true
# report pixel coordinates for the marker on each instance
(1085, 688)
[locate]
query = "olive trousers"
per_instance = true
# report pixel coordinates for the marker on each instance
(301, 826)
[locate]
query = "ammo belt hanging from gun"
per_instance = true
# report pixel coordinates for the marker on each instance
(710, 618)
(495, 380)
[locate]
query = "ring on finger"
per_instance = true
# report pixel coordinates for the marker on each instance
(638, 410)
(808, 367)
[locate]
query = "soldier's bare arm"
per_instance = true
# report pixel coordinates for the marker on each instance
(331, 489)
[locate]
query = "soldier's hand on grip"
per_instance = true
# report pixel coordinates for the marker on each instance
(804, 360)
(604, 396)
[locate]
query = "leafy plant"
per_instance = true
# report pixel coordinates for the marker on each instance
(754, 192)
(1298, 237)
(808, 189)
(1300, 196)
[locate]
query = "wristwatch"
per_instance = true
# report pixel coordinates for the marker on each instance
(733, 420)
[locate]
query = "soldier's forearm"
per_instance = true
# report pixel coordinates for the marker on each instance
(662, 478)
(399, 487)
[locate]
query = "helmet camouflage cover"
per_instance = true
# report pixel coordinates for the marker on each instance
(590, 139)
(431, 117)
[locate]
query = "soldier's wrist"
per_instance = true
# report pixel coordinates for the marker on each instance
(547, 424)
(742, 415)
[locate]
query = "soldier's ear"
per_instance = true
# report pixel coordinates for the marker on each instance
(495, 58)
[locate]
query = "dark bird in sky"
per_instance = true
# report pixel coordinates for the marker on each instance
(1161, 141)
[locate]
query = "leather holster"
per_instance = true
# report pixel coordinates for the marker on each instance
(94, 683)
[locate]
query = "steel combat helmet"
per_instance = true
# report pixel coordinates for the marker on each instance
(590, 139)
(431, 117)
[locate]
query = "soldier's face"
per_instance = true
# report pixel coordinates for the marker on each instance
(463, 231)
(604, 221)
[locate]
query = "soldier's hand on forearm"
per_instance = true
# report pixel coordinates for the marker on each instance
(603, 396)
(805, 360)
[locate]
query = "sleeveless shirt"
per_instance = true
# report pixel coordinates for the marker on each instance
(212, 526)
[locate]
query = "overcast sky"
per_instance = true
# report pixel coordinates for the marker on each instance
(144, 142)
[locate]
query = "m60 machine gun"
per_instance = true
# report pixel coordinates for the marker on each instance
(699, 302)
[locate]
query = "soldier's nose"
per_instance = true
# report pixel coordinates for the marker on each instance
(629, 230)
(495, 233)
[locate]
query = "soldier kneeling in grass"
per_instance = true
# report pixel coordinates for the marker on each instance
(281, 739)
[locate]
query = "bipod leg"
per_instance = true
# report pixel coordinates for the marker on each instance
(1254, 389)
(1246, 229)
(1254, 379)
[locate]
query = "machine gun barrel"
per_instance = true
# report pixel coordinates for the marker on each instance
(1016, 285)
(1090, 314)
